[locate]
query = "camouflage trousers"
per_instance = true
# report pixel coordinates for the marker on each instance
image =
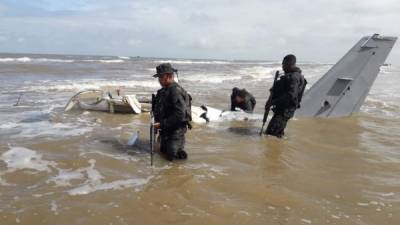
(173, 144)
(277, 125)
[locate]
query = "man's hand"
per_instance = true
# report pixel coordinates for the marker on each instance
(157, 125)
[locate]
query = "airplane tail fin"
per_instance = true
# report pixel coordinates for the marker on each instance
(343, 89)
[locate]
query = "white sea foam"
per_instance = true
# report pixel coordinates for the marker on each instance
(18, 158)
(21, 59)
(122, 157)
(221, 62)
(29, 60)
(78, 85)
(362, 204)
(193, 62)
(36, 123)
(306, 221)
(54, 207)
(46, 128)
(54, 60)
(3, 182)
(211, 168)
(259, 72)
(114, 185)
(389, 194)
(8, 125)
(94, 181)
(216, 79)
(380, 106)
(93, 175)
(104, 60)
(65, 176)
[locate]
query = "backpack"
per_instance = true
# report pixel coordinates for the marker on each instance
(188, 109)
(300, 96)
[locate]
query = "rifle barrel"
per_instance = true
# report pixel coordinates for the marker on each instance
(267, 103)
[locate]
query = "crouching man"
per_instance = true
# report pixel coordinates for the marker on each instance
(172, 113)
(242, 99)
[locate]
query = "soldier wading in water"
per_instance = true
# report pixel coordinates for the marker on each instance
(172, 113)
(286, 96)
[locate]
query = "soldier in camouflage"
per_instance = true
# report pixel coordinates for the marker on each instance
(242, 99)
(286, 96)
(172, 113)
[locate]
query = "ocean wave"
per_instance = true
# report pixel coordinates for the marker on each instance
(192, 62)
(91, 84)
(236, 62)
(104, 60)
(381, 108)
(210, 79)
(259, 72)
(54, 60)
(21, 59)
(28, 60)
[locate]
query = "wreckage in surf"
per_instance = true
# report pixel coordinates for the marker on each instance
(339, 93)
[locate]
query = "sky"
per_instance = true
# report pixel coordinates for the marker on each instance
(318, 30)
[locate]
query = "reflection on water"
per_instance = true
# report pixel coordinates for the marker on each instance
(243, 131)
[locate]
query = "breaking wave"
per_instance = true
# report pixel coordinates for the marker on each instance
(192, 62)
(55, 60)
(21, 59)
(91, 84)
(28, 60)
(104, 60)
(211, 79)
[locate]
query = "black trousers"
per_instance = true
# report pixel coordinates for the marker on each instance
(277, 125)
(173, 144)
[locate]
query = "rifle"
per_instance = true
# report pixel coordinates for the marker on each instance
(152, 130)
(267, 104)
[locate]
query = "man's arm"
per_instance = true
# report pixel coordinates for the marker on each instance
(233, 105)
(250, 103)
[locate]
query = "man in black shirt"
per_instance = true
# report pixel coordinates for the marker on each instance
(286, 96)
(172, 113)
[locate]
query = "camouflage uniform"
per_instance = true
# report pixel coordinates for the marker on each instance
(287, 93)
(249, 101)
(171, 108)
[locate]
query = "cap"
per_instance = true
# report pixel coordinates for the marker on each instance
(164, 68)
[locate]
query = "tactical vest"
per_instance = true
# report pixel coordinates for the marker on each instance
(160, 100)
(281, 87)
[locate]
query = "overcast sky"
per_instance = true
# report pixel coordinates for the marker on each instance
(319, 30)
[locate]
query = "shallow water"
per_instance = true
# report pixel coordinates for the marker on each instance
(75, 167)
